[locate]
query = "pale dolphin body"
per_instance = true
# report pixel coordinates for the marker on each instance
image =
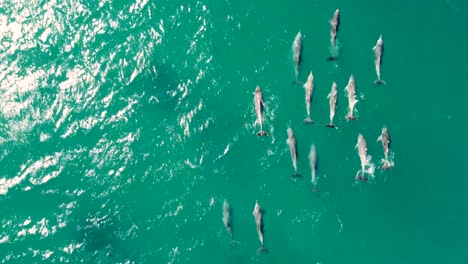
(258, 215)
(334, 27)
(227, 220)
(351, 90)
(258, 101)
(309, 90)
(362, 151)
(313, 166)
(297, 52)
(291, 141)
(332, 99)
(378, 52)
(385, 138)
(227, 216)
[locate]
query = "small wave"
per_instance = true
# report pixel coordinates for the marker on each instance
(387, 163)
(340, 222)
(226, 150)
(35, 171)
(186, 119)
(194, 166)
(4, 239)
(335, 51)
(369, 168)
(72, 247)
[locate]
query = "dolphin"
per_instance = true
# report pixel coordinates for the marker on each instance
(313, 166)
(258, 213)
(378, 52)
(297, 52)
(334, 26)
(291, 141)
(385, 138)
(258, 101)
(309, 90)
(332, 98)
(227, 220)
(227, 216)
(362, 151)
(351, 90)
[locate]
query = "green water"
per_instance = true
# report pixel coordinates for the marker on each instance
(124, 125)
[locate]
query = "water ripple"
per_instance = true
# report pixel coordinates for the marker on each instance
(73, 84)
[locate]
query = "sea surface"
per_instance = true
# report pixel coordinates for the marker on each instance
(124, 125)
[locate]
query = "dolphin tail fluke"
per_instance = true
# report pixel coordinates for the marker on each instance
(350, 117)
(386, 166)
(315, 189)
(361, 178)
(296, 175)
(308, 121)
(262, 133)
(262, 250)
(331, 125)
(332, 58)
(380, 82)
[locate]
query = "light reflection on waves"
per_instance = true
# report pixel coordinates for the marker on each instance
(67, 97)
(193, 117)
(23, 103)
(73, 99)
(39, 172)
(80, 83)
(189, 145)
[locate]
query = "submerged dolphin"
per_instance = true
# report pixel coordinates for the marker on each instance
(309, 90)
(313, 166)
(385, 138)
(297, 52)
(362, 151)
(227, 219)
(332, 99)
(258, 101)
(378, 52)
(351, 90)
(291, 141)
(227, 216)
(258, 215)
(334, 27)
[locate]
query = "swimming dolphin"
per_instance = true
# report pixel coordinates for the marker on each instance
(385, 138)
(334, 26)
(332, 98)
(362, 151)
(291, 141)
(297, 52)
(258, 101)
(227, 217)
(227, 220)
(378, 51)
(313, 166)
(258, 215)
(351, 90)
(309, 90)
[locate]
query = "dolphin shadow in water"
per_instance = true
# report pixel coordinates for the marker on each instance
(262, 251)
(296, 176)
(164, 82)
(380, 82)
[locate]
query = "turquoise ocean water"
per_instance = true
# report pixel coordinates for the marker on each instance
(125, 124)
